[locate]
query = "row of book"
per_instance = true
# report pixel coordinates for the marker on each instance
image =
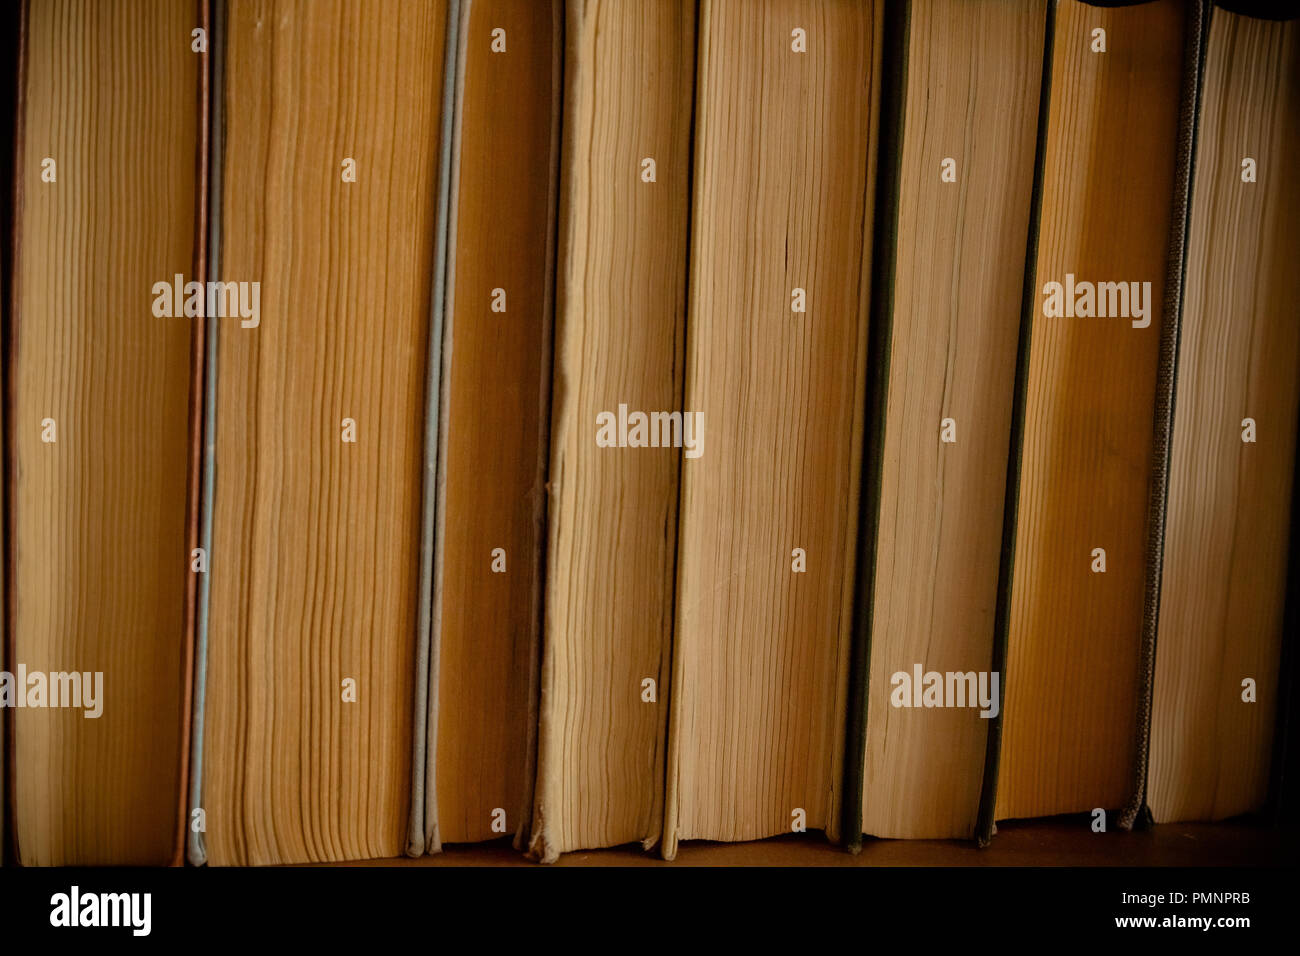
(431, 421)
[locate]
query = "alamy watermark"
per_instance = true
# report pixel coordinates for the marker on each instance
(1085, 300)
(75, 908)
(923, 688)
(72, 689)
(624, 429)
(219, 300)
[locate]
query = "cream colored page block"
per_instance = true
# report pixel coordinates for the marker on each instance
(974, 72)
(613, 511)
(782, 200)
(98, 577)
(1224, 585)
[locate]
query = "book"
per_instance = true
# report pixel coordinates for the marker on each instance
(98, 432)
(636, 423)
(10, 29)
(949, 333)
(1074, 633)
(782, 203)
(612, 511)
(1232, 461)
(328, 217)
(496, 381)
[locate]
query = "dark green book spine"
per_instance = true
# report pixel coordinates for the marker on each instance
(1001, 618)
(884, 251)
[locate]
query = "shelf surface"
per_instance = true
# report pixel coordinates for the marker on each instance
(1065, 841)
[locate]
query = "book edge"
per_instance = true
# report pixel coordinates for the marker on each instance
(1135, 810)
(881, 271)
(423, 835)
(194, 478)
(9, 849)
(985, 826)
(196, 846)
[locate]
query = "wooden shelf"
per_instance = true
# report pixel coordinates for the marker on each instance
(1067, 841)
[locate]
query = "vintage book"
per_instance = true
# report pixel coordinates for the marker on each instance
(328, 219)
(783, 193)
(422, 833)
(619, 331)
(495, 404)
(969, 110)
(10, 30)
(1234, 439)
(202, 462)
(1075, 626)
(98, 430)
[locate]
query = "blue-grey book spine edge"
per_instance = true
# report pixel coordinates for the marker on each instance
(195, 848)
(1002, 613)
(422, 836)
(1135, 811)
(884, 255)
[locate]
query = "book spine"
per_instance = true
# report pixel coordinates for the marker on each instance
(540, 844)
(1002, 615)
(1135, 810)
(15, 19)
(885, 245)
(194, 478)
(524, 831)
(212, 142)
(422, 834)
